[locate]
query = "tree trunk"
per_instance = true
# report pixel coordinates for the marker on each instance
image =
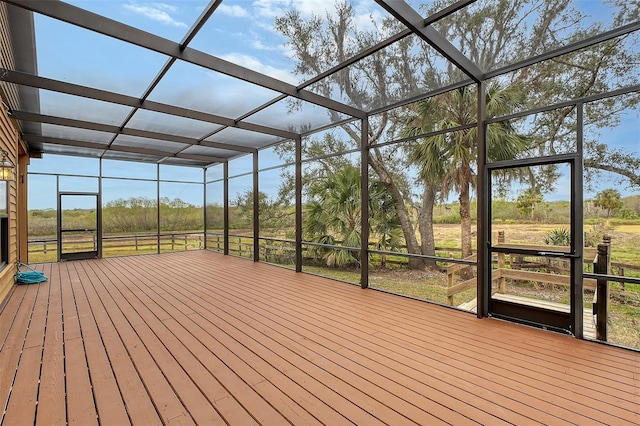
(425, 223)
(403, 215)
(465, 221)
(465, 229)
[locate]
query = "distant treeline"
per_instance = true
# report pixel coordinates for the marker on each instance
(140, 214)
(131, 215)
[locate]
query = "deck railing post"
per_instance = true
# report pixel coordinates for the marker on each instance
(601, 266)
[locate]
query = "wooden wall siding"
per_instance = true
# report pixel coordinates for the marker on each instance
(197, 337)
(9, 139)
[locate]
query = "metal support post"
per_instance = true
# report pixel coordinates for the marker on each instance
(577, 236)
(298, 224)
(256, 210)
(225, 214)
(364, 191)
(483, 192)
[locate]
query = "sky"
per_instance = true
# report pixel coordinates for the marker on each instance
(240, 31)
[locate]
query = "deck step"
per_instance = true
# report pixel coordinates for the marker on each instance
(588, 319)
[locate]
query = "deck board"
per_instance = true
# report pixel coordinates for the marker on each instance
(17, 323)
(51, 394)
(197, 337)
(314, 352)
(109, 403)
(517, 409)
(168, 405)
(131, 387)
(81, 408)
(21, 407)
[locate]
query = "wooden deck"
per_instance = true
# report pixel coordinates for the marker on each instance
(197, 337)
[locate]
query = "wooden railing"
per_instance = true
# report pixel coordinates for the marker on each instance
(514, 268)
(134, 242)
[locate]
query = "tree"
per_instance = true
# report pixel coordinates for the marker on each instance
(275, 213)
(333, 215)
(608, 199)
(490, 33)
(380, 79)
(133, 214)
(528, 200)
(494, 33)
(448, 160)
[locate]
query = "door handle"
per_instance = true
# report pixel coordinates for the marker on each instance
(558, 254)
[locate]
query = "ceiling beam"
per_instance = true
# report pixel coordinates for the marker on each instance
(193, 31)
(367, 52)
(109, 27)
(416, 23)
(202, 19)
(386, 43)
(30, 138)
(108, 128)
(116, 98)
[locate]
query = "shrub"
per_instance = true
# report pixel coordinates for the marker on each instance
(558, 237)
(593, 236)
(627, 214)
(447, 219)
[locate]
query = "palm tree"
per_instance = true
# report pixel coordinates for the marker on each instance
(608, 199)
(333, 215)
(448, 161)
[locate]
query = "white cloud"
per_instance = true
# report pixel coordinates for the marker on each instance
(234, 10)
(270, 8)
(275, 8)
(158, 12)
(255, 65)
(367, 20)
(364, 14)
(259, 45)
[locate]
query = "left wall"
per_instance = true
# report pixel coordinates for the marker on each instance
(10, 142)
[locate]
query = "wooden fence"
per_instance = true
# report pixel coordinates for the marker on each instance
(515, 268)
(128, 244)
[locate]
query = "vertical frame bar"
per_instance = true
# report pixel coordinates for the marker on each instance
(577, 228)
(99, 211)
(158, 205)
(364, 206)
(99, 223)
(59, 215)
(256, 210)
(204, 198)
(225, 214)
(483, 287)
(298, 190)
